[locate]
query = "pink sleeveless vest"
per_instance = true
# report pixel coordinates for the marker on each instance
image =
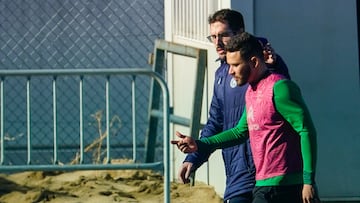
(274, 143)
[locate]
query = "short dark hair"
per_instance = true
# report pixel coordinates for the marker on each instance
(247, 44)
(233, 18)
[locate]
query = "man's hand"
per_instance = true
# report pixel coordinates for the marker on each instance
(184, 172)
(309, 195)
(185, 144)
(269, 54)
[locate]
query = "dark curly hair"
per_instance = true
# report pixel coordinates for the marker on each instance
(247, 44)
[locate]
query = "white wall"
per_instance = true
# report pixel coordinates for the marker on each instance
(182, 83)
(180, 69)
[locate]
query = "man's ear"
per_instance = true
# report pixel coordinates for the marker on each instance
(255, 61)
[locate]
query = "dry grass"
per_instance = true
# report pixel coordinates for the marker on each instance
(95, 147)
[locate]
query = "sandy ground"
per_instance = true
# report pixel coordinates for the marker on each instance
(131, 186)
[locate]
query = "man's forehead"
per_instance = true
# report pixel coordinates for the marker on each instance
(233, 57)
(218, 25)
(233, 54)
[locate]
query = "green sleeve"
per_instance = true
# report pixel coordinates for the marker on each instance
(290, 104)
(228, 138)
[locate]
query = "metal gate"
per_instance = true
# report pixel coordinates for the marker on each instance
(106, 142)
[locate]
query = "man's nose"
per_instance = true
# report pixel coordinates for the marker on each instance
(231, 71)
(218, 41)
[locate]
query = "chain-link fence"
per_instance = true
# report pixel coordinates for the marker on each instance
(73, 34)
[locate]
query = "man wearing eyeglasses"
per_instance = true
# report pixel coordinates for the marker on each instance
(226, 108)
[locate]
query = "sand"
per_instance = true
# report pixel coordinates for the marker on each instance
(133, 186)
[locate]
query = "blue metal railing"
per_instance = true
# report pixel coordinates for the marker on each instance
(55, 73)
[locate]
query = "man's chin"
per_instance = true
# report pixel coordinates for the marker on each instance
(240, 82)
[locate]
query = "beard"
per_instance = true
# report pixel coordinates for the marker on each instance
(244, 76)
(220, 50)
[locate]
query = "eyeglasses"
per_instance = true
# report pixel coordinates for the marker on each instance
(220, 36)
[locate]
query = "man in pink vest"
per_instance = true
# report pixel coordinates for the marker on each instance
(278, 124)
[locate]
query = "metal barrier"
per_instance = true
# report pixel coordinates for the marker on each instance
(75, 34)
(81, 73)
(162, 48)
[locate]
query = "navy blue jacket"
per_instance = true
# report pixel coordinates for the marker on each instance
(227, 105)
